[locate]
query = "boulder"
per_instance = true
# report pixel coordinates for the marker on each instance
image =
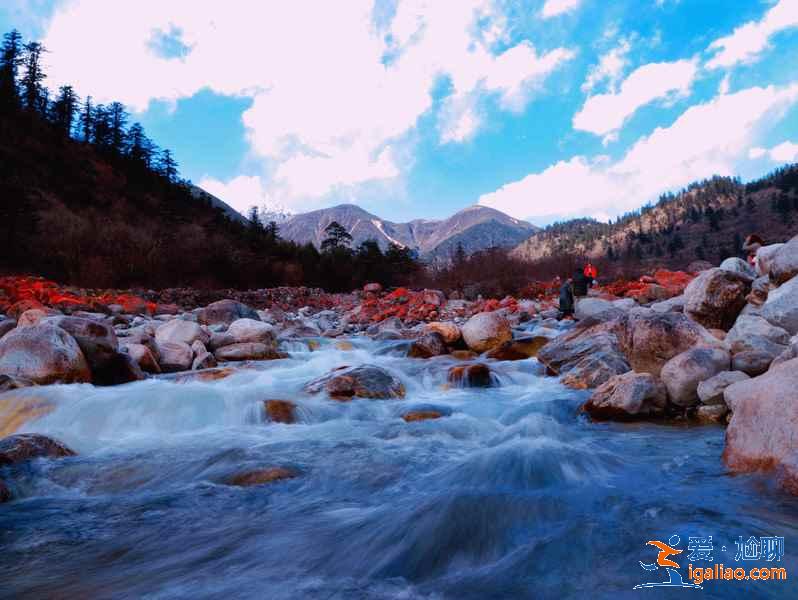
(594, 370)
(752, 362)
(760, 289)
(738, 265)
(682, 374)
(8, 383)
(711, 413)
(250, 330)
(762, 432)
(421, 415)
(365, 381)
(202, 358)
(27, 446)
(628, 396)
(519, 349)
(248, 351)
(43, 354)
(225, 311)
(485, 331)
(261, 476)
(711, 390)
(596, 307)
(178, 331)
(433, 297)
(716, 297)
(121, 368)
(781, 308)
(175, 356)
(764, 258)
(34, 316)
(751, 333)
(15, 310)
(428, 345)
(143, 357)
(675, 304)
(280, 411)
(784, 263)
(788, 354)
(476, 375)
(6, 326)
(450, 332)
(97, 340)
(649, 339)
(220, 340)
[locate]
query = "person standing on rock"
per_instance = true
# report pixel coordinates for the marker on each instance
(580, 285)
(566, 300)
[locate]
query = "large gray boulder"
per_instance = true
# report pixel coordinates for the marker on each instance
(628, 396)
(247, 351)
(738, 265)
(250, 330)
(716, 297)
(781, 308)
(484, 331)
(764, 258)
(175, 356)
(749, 331)
(682, 374)
(178, 331)
(763, 431)
(97, 340)
(598, 308)
(784, 265)
(43, 354)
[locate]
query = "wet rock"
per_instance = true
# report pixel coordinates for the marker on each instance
(428, 345)
(250, 330)
(593, 370)
(43, 354)
(248, 351)
(344, 346)
(6, 326)
(261, 476)
(764, 258)
(421, 415)
(628, 396)
(450, 332)
(121, 368)
(463, 354)
(519, 349)
(143, 357)
(175, 356)
(716, 297)
(18, 448)
(711, 390)
(97, 341)
(8, 383)
(649, 339)
(752, 362)
(784, 265)
(34, 316)
(682, 374)
(485, 331)
(21, 408)
(202, 358)
(207, 375)
(711, 413)
(225, 311)
(781, 308)
(280, 411)
(365, 381)
(738, 265)
(178, 331)
(476, 375)
(762, 432)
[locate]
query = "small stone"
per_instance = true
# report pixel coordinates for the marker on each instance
(261, 476)
(280, 411)
(421, 415)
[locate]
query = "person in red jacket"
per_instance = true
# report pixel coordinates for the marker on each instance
(590, 271)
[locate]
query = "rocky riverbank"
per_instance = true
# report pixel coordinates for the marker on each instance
(717, 346)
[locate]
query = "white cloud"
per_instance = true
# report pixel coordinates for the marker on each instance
(552, 8)
(709, 138)
(609, 68)
(747, 41)
(329, 109)
(783, 153)
(242, 192)
(605, 114)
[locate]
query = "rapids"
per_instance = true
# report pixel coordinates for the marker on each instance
(511, 494)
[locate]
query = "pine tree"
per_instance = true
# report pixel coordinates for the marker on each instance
(167, 166)
(86, 121)
(34, 95)
(64, 109)
(137, 144)
(11, 59)
(337, 237)
(117, 119)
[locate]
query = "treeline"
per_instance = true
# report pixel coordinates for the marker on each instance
(87, 198)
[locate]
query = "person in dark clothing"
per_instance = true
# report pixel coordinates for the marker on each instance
(581, 283)
(566, 300)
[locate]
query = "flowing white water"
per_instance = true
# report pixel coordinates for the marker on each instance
(510, 495)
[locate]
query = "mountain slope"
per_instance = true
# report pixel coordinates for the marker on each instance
(476, 227)
(706, 221)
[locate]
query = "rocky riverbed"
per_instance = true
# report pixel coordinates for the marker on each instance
(383, 441)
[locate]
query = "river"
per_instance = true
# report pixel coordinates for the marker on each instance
(512, 494)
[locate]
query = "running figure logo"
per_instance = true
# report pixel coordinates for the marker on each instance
(674, 577)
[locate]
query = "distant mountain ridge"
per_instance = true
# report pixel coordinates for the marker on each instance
(476, 228)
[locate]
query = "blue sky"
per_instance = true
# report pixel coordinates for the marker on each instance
(545, 109)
